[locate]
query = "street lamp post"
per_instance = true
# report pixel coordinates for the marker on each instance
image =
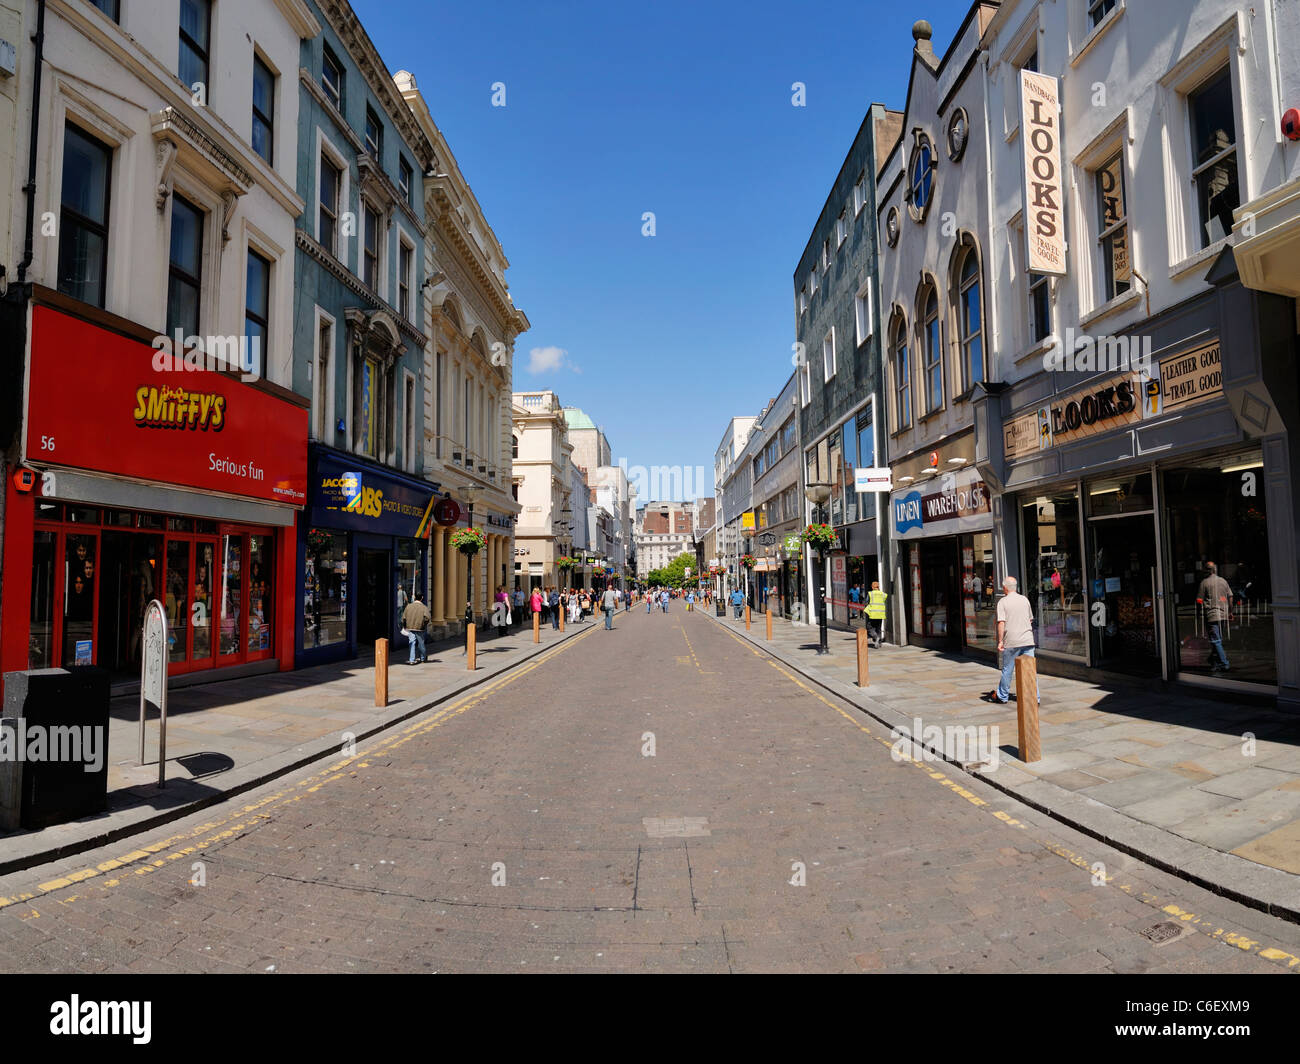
(819, 493)
(469, 493)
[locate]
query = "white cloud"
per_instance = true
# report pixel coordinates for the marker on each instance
(549, 360)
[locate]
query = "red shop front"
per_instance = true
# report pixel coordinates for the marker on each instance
(151, 483)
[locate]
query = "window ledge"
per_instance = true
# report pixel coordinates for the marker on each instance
(1199, 258)
(964, 395)
(930, 416)
(1111, 307)
(1097, 32)
(1039, 349)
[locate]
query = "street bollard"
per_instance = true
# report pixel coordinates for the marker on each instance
(862, 658)
(769, 626)
(1027, 708)
(537, 627)
(562, 613)
(381, 672)
(747, 618)
(471, 645)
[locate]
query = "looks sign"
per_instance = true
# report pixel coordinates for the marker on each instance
(1040, 131)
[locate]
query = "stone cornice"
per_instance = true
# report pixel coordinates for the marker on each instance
(300, 19)
(343, 20)
(307, 243)
(447, 215)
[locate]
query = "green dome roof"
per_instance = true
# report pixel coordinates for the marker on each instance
(576, 419)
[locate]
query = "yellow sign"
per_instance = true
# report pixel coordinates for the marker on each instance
(747, 519)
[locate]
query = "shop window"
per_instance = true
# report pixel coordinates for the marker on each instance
(978, 594)
(261, 593)
(41, 636)
(177, 601)
(205, 568)
(902, 374)
(231, 594)
(79, 583)
(1120, 495)
(1053, 572)
(83, 217)
(1217, 513)
(180, 524)
(325, 589)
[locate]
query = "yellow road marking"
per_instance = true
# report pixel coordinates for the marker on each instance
(305, 786)
(1243, 942)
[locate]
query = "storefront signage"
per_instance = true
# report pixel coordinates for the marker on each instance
(96, 402)
(446, 512)
(793, 545)
(747, 519)
(1040, 131)
(1180, 381)
(867, 480)
(369, 501)
(957, 503)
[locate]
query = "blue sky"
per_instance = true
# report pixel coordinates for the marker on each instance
(683, 109)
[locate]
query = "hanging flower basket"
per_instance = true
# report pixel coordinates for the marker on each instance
(597, 570)
(564, 562)
(747, 560)
(716, 570)
(468, 540)
(318, 542)
(819, 537)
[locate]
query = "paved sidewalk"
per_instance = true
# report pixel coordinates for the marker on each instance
(1163, 774)
(227, 737)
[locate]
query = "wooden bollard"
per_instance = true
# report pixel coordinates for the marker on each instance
(381, 672)
(747, 617)
(863, 642)
(537, 627)
(1027, 708)
(471, 645)
(561, 612)
(769, 625)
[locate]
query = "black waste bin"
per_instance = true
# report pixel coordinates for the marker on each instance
(55, 765)
(721, 608)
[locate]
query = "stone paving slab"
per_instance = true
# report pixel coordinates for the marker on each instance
(1167, 775)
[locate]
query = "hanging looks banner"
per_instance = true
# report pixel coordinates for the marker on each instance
(96, 402)
(1040, 133)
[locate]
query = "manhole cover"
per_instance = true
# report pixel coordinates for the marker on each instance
(1163, 932)
(669, 827)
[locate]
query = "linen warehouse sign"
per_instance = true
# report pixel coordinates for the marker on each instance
(1182, 380)
(1040, 128)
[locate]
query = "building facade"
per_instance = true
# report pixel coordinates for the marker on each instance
(164, 147)
(932, 213)
(778, 503)
(838, 362)
(1143, 420)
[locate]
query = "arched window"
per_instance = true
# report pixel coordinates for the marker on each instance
(927, 311)
(514, 446)
(898, 355)
(920, 178)
(970, 315)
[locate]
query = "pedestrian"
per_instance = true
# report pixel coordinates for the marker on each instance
(1015, 638)
(875, 611)
(738, 601)
(415, 619)
(663, 600)
(855, 597)
(690, 601)
(609, 604)
(517, 614)
(649, 601)
(585, 603)
(553, 607)
(627, 600)
(535, 601)
(1215, 597)
(501, 611)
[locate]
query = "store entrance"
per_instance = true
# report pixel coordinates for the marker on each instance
(130, 574)
(1122, 595)
(373, 569)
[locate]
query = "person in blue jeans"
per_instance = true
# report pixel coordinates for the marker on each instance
(738, 601)
(1015, 638)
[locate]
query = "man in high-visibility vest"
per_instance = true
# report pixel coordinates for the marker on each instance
(876, 600)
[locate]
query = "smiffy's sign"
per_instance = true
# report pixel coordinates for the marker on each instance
(97, 402)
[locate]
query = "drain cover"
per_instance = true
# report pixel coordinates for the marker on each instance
(1163, 932)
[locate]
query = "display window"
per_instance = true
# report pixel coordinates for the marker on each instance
(978, 594)
(1052, 534)
(95, 572)
(325, 589)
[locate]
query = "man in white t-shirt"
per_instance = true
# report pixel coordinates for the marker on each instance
(1015, 636)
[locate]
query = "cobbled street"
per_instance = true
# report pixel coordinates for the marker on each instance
(659, 798)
